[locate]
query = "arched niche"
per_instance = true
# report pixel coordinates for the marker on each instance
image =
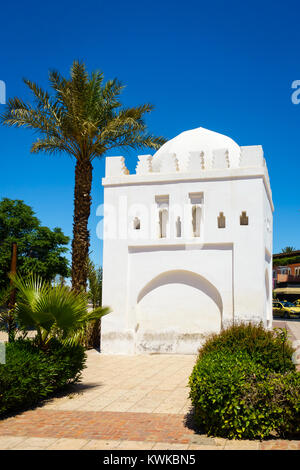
(179, 300)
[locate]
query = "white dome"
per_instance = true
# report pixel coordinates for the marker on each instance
(197, 140)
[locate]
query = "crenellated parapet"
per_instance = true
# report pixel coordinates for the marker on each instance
(196, 162)
(115, 166)
(192, 152)
(220, 159)
(144, 164)
(252, 156)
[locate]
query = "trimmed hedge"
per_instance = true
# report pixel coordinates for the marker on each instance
(31, 374)
(244, 385)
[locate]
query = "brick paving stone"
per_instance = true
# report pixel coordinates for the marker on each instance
(36, 442)
(203, 439)
(99, 444)
(97, 425)
(8, 442)
(242, 445)
(135, 445)
(54, 429)
(280, 444)
(68, 444)
(169, 446)
(203, 447)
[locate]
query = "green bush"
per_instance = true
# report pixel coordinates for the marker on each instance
(236, 397)
(31, 374)
(275, 399)
(268, 348)
(244, 384)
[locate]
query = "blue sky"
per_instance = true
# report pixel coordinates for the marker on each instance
(224, 65)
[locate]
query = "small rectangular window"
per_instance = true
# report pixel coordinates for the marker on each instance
(221, 221)
(243, 219)
(163, 215)
(196, 200)
(136, 223)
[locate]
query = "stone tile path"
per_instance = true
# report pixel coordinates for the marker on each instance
(138, 384)
(123, 402)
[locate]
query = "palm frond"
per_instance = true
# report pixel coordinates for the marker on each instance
(54, 311)
(83, 116)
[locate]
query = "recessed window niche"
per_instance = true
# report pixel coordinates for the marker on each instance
(163, 215)
(196, 200)
(221, 220)
(136, 223)
(178, 227)
(244, 218)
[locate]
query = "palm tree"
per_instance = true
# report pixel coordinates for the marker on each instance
(288, 249)
(83, 118)
(54, 312)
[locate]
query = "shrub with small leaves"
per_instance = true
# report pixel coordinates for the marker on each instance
(270, 348)
(276, 399)
(31, 374)
(244, 384)
(237, 398)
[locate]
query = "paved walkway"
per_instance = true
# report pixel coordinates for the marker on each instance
(140, 384)
(124, 402)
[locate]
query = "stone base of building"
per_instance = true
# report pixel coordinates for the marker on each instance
(168, 342)
(165, 342)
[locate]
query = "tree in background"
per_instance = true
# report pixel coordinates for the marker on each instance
(83, 118)
(95, 284)
(40, 250)
(8, 321)
(288, 249)
(95, 297)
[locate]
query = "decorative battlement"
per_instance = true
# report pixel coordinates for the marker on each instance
(144, 164)
(252, 155)
(220, 159)
(115, 166)
(196, 162)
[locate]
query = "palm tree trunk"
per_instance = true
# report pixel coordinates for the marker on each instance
(81, 235)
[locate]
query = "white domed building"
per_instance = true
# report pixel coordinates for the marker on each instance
(187, 244)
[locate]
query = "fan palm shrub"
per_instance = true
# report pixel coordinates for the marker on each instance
(55, 312)
(83, 118)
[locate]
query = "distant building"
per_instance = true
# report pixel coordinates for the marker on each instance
(187, 244)
(286, 275)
